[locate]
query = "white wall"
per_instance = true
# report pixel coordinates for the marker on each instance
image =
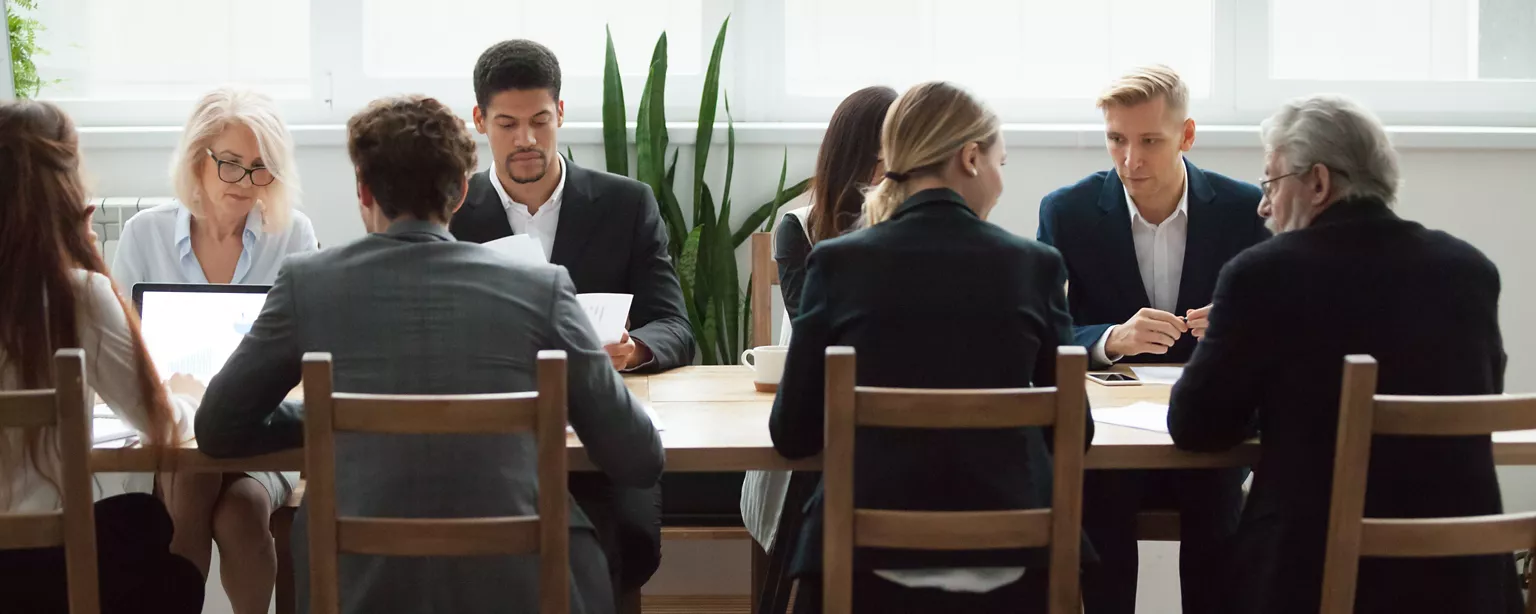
(1482, 196)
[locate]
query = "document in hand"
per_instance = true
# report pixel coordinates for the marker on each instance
(522, 248)
(609, 314)
(1144, 416)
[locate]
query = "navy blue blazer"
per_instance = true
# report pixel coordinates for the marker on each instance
(1089, 223)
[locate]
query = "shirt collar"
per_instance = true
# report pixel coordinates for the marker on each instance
(1183, 200)
(555, 197)
(184, 229)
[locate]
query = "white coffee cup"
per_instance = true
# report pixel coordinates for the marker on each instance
(768, 363)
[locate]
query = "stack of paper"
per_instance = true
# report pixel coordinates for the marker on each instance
(1144, 416)
(1158, 375)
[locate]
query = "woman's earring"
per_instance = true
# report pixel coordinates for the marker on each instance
(973, 172)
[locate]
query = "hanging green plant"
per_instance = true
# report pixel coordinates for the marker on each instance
(23, 30)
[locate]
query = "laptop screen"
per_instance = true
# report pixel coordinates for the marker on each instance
(193, 328)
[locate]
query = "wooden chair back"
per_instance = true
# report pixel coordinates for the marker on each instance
(765, 275)
(542, 412)
(849, 406)
(1363, 413)
(65, 409)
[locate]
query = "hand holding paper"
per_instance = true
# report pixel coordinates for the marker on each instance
(608, 314)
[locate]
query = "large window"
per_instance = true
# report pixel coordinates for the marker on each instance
(1414, 61)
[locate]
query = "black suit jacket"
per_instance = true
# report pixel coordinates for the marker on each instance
(1360, 280)
(611, 239)
(1090, 223)
(933, 298)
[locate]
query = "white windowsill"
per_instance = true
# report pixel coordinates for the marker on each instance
(809, 133)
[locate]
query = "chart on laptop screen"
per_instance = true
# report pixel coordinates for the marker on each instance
(195, 332)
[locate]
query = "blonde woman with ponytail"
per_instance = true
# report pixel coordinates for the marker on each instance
(930, 295)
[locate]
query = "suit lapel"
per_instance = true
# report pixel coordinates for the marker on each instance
(487, 217)
(1119, 247)
(578, 214)
(1201, 242)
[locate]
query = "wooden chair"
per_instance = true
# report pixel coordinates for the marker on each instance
(1363, 413)
(73, 527)
(849, 406)
(765, 275)
(542, 412)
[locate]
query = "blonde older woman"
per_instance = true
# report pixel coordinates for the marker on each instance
(235, 181)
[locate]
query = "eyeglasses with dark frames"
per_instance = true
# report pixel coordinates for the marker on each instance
(231, 172)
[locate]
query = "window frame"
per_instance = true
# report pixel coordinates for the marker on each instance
(1242, 93)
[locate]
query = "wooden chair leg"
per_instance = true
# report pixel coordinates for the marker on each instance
(629, 602)
(282, 525)
(759, 573)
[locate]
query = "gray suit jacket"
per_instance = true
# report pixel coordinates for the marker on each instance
(411, 311)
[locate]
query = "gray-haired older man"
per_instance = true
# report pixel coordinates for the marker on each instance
(1346, 275)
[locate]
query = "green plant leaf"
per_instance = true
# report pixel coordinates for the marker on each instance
(710, 97)
(726, 278)
(704, 271)
(615, 133)
(687, 266)
(569, 155)
(763, 215)
(651, 148)
(672, 211)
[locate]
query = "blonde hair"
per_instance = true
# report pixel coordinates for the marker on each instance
(218, 110)
(924, 127)
(1147, 83)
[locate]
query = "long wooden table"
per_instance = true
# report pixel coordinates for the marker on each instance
(713, 420)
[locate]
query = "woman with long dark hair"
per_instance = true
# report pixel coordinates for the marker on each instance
(55, 294)
(848, 163)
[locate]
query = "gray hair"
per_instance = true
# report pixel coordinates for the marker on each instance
(1338, 133)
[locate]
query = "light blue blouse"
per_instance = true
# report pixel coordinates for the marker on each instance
(156, 247)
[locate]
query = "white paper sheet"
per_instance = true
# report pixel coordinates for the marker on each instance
(107, 430)
(1158, 375)
(609, 314)
(522, 248)
(1144, 416)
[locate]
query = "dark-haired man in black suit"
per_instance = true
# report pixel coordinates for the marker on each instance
(607, 232)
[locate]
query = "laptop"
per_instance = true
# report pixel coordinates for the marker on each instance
(190, 329)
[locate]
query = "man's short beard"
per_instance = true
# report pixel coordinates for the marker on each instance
(526, 180)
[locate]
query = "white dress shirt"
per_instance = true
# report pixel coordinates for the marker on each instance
(156, 247)
(112, 371)
(1159, 256)
(540, 225)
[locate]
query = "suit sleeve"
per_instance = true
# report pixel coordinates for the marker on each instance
(658, 317)
(796, 424)
(1214, 405)
(243, 412)
(1083, 335)
(790, 249)
(1058, 333)
(618, 435)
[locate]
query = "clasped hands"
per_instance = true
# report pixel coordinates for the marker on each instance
(1153, 331)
